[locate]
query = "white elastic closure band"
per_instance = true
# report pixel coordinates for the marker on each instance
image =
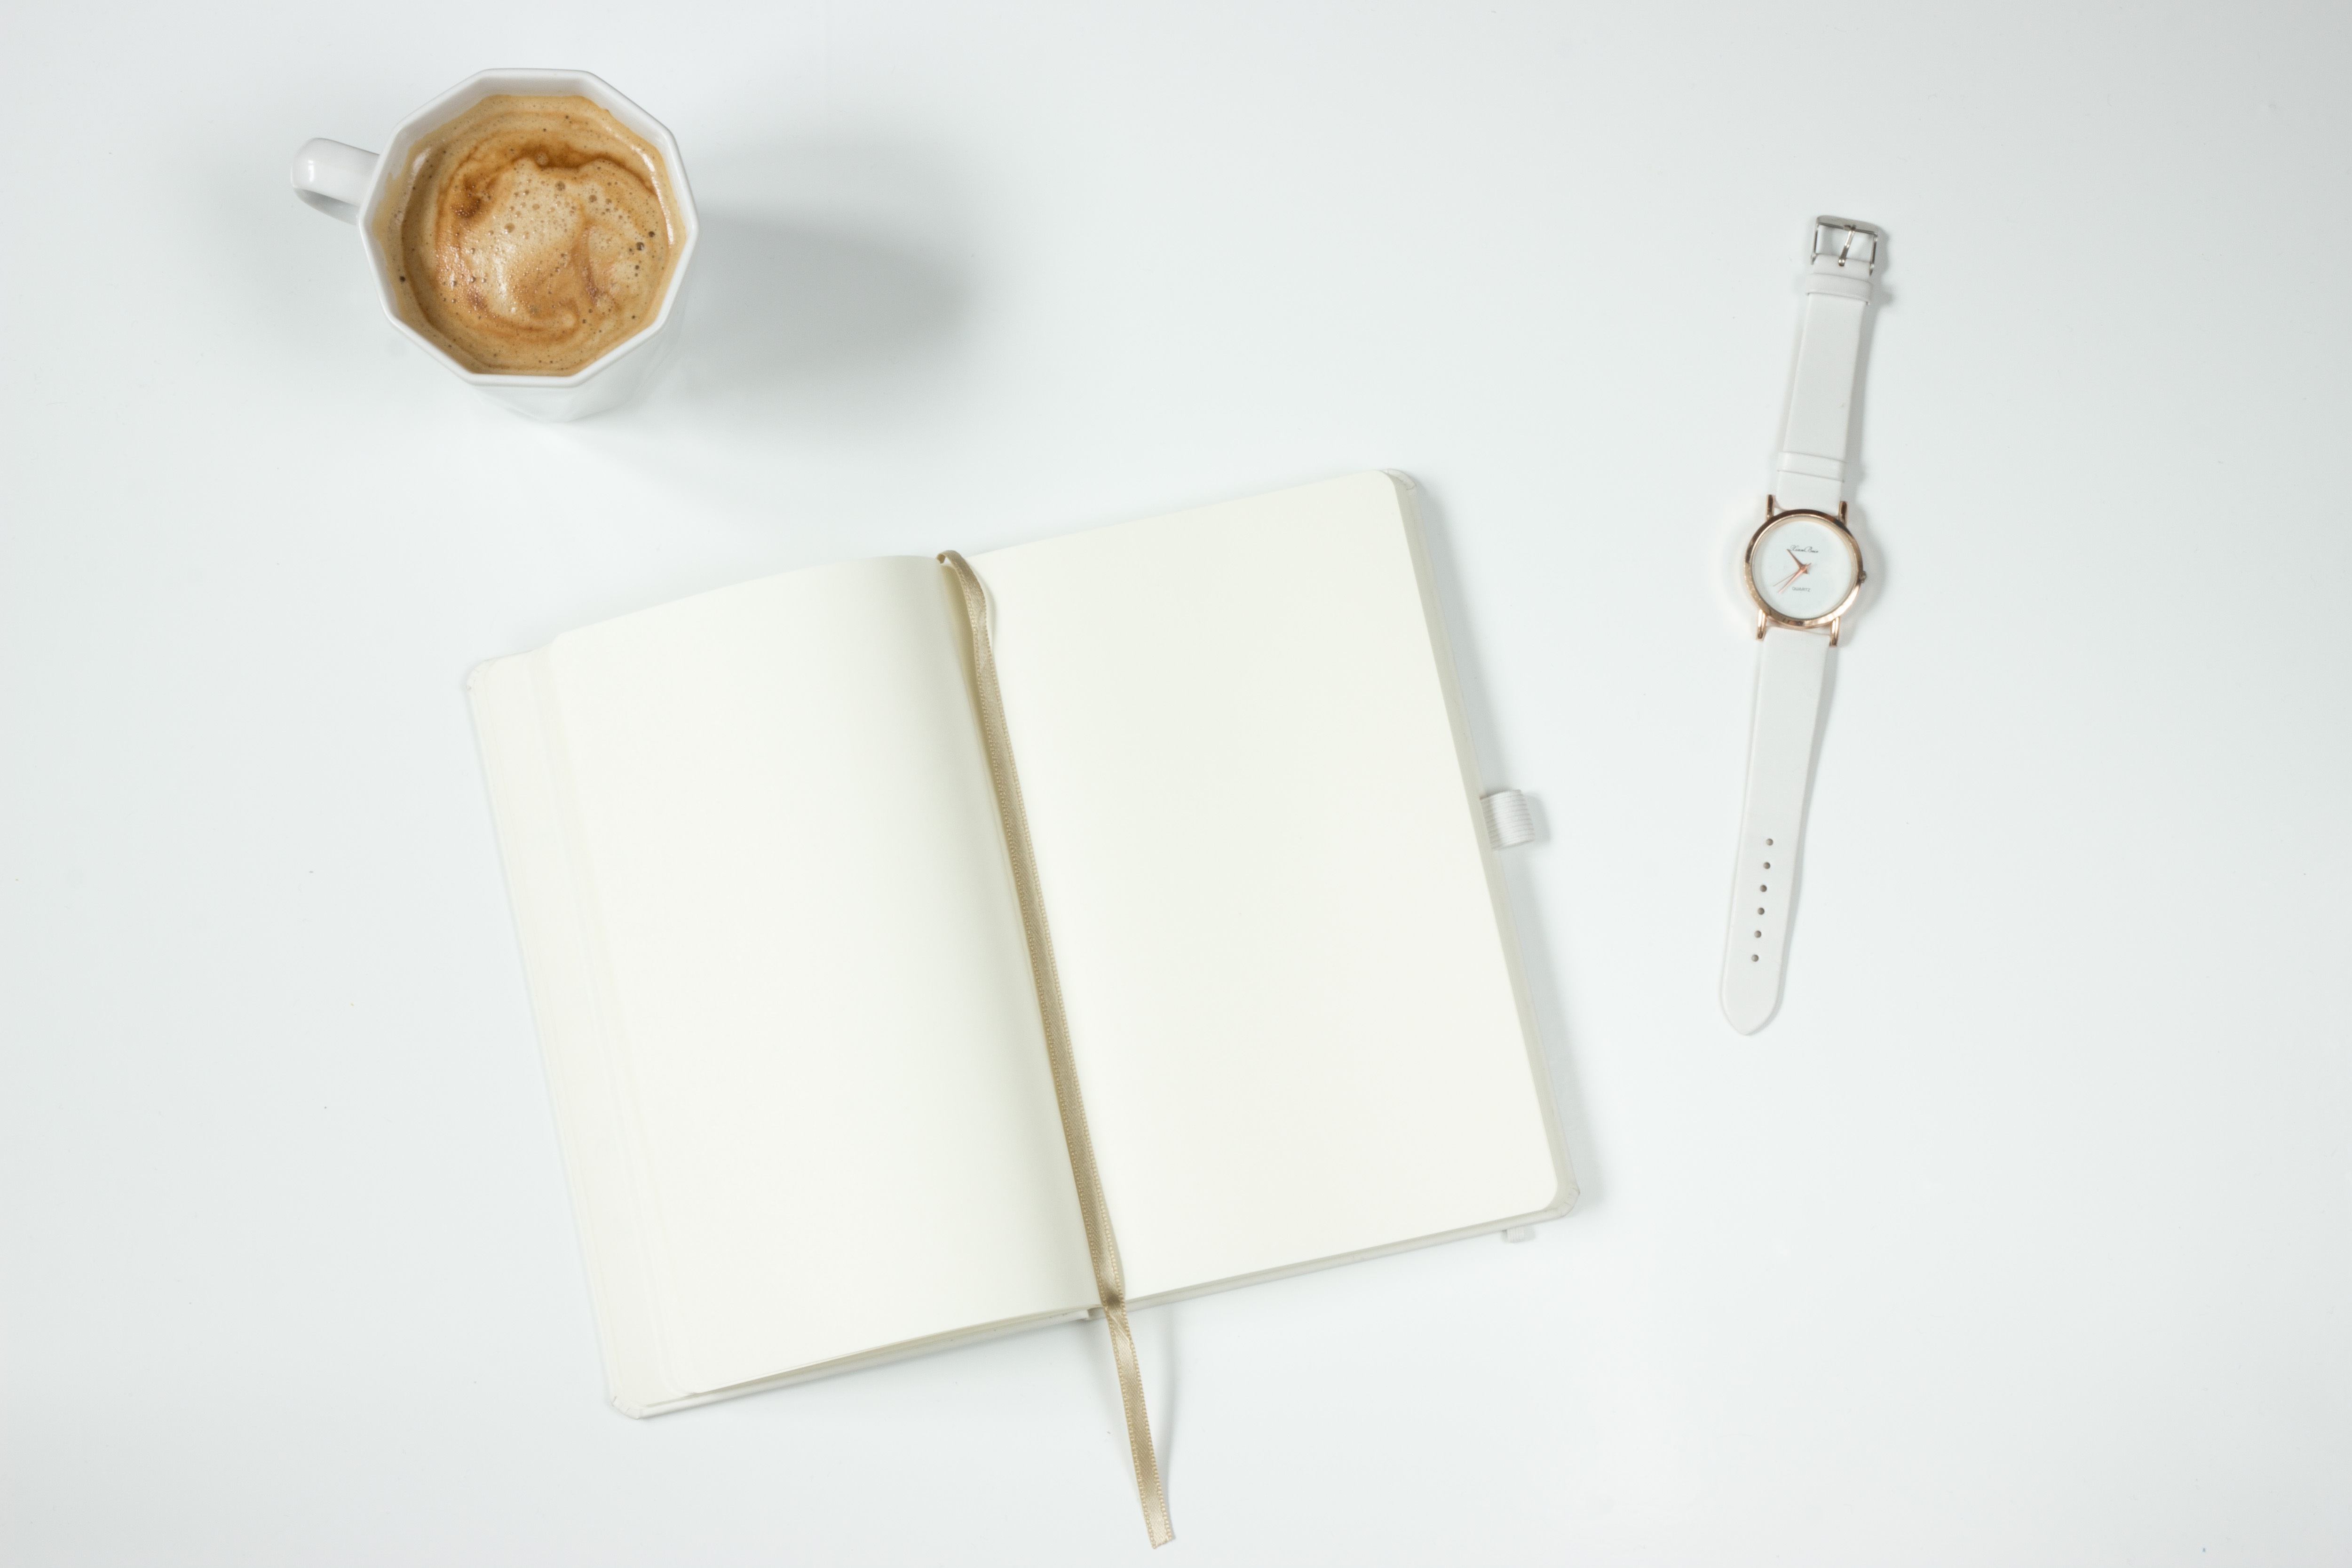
(1510, 819)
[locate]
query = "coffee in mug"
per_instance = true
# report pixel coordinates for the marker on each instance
(530, 234)
(502, 226)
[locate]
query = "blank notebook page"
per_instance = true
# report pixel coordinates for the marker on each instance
(1286, 964)
(818, 996)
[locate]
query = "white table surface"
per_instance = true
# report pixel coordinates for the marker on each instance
(2024, 1235)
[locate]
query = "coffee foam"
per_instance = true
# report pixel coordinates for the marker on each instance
(532, 235)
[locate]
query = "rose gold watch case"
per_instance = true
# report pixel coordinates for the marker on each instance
(1765, 614)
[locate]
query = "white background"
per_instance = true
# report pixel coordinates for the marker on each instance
(2024, 1235)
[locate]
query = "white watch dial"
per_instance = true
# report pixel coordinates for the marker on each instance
(1803, 567)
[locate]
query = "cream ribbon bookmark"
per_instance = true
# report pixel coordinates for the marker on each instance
(1101, 1246)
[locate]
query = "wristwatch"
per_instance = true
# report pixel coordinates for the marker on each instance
(1802, 570)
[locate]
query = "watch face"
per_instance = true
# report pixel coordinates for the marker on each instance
(1803, 567)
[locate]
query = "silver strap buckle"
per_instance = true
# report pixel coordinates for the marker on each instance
(1847, 241)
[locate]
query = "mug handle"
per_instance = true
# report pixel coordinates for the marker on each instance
(333, 176)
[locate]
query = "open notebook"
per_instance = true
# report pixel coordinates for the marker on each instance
(778, 960)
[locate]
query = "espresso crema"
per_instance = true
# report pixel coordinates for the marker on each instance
(532, 235)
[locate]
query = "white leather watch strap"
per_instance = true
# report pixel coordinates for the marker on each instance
(1771, 822)
(1811, 472)
(1810, 475)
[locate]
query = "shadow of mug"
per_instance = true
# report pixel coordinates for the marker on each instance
(786, 309)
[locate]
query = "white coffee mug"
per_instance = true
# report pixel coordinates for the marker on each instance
(348, 183)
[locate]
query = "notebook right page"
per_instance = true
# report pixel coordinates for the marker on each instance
(1294, 1003)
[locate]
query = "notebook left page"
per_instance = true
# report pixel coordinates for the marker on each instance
(777, 965)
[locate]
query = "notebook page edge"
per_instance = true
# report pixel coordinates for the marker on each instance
(608, 1216)
(1361, 1255)
(931, 1344)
